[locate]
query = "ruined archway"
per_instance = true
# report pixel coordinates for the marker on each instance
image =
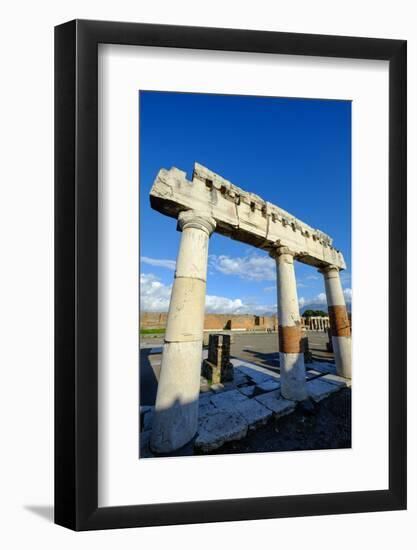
(211, 203)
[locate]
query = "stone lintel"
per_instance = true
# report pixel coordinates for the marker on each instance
(242, 215)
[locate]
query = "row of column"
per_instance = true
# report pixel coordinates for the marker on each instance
(317, 323)
(176, 407)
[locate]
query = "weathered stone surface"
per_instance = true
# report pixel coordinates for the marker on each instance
(253, 412)
(206, 408)
(318, 389)
(268, 385)
(217, 367)
(176, 406)
(338, 380)
(252, 373)
(214, 430)
(312, 374)
(217, 388)
(247, 390)
(253, 368)
(148, 419)
(240, 214)
(324, 368)
(144, 439)
(278, 405)
(204, 397)
(239, 378)
(228, 400)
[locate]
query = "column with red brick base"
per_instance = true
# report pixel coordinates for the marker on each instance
(339, 321)
(292, 369)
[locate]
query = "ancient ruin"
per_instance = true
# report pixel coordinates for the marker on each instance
(210, 203)
(217, 367)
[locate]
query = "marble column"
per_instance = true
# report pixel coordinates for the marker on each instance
(292, 369)
(339, 321)
(176, 407)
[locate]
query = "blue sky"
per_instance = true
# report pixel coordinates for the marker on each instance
(295, 153)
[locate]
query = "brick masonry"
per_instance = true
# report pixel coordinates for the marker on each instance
(214, 321)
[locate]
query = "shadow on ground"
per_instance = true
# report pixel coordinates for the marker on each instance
(45, 512)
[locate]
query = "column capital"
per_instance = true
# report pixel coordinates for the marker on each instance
(328, 269)
(196, 219)
(281, 250)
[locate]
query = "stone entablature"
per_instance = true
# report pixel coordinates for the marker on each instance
(242, 215)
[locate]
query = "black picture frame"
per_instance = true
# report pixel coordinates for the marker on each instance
(76, 272)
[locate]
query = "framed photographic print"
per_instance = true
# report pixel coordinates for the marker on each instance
(230, 275)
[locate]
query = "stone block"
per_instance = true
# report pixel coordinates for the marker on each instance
(144, 449)
(324, 368)
(312, 374)
(228, 400)
(253, 412)
(277, 404)
(268, 385)
(338, 380)
(239, 378)
(217, 367)
(253, 374)
(217, 388)
(248, 391)
(217, 373)
(318, 389)
(206, 408)
(216, 429)
(247, 216)
(148, 419)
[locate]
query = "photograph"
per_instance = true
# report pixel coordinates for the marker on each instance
(245, 308)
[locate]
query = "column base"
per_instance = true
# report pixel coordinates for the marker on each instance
(342, 347)
(176, 408)
(293, 376)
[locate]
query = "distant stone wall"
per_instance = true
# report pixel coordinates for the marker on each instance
(215, 321)
(152, 320)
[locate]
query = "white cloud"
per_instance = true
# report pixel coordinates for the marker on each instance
(348, 294)
(254, 267)
(168, 264)
(155, 296)
(219, 304)
(321, 300)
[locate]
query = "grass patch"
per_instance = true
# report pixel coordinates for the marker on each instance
(146, 331)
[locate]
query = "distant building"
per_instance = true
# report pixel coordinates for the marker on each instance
(216, 321)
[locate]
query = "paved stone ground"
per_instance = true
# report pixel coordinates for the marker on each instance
(259, 348)
(249, 414)
(229, 412)
(327, 427)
